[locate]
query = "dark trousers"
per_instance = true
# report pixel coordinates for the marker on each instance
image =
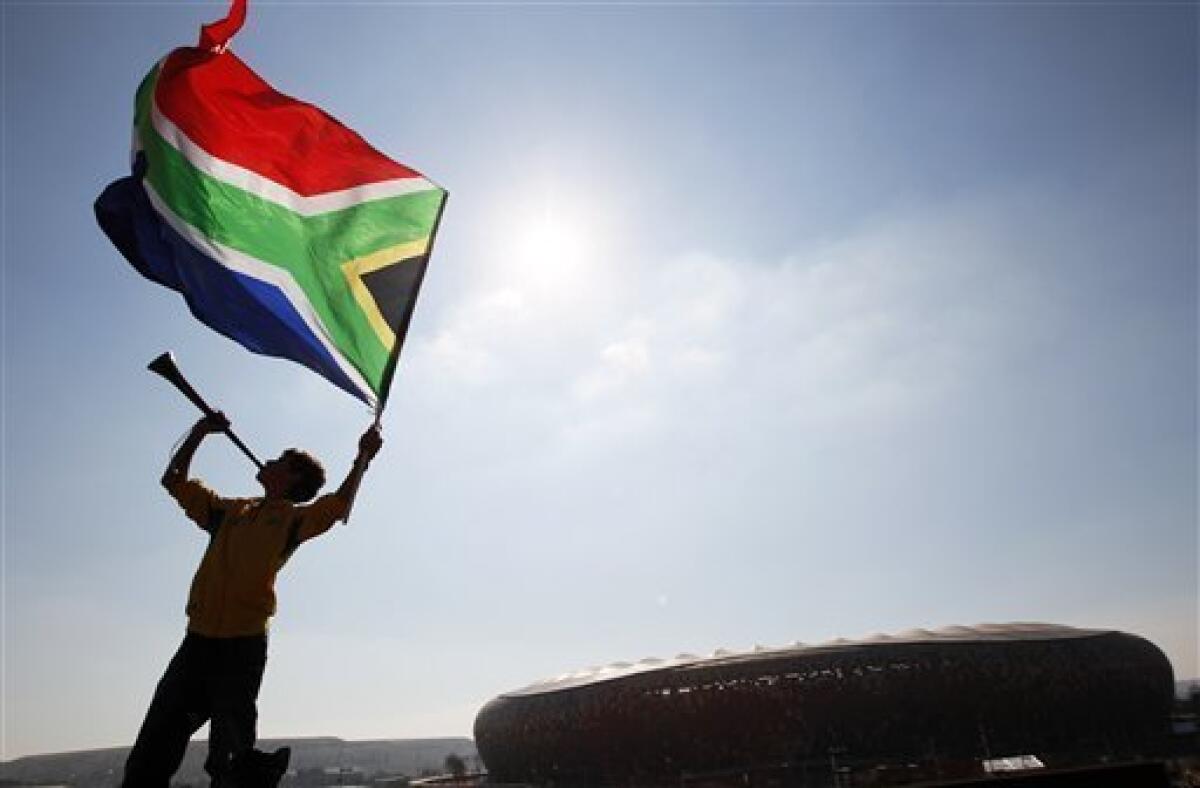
(208, 679)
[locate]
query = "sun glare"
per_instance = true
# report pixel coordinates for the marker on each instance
(551, 240)
(554, 243)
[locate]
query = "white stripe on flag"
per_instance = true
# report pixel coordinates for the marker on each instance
(250, 266)
(267, 189)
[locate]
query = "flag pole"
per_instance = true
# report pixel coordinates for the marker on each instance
(389, 370)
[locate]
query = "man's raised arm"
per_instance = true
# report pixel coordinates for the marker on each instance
(181, 461)
(368, 447)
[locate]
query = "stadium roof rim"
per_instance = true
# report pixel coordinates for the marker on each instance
(1015, 631)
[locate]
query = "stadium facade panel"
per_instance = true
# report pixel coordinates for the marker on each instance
(924, 703)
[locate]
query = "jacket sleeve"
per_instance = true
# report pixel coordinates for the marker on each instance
(202, 506)
(320, 515)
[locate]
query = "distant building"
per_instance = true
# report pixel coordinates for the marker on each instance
(922, 705)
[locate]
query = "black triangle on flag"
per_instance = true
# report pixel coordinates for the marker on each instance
(394, 287)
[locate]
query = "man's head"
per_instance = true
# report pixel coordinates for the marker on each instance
(296, 475)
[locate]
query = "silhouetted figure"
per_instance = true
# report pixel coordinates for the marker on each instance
(216, 673)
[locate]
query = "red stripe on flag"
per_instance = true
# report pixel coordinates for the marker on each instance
(229, 111)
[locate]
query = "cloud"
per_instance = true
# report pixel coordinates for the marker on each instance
(464, 350)
(842, 335)
(620, 363)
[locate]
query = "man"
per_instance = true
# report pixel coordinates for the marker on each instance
(216, 673)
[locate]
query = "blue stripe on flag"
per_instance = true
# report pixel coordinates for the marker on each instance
(253, 313)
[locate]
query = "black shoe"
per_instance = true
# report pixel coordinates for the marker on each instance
(258, 769)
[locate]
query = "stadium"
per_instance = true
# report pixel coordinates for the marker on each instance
(920, 706)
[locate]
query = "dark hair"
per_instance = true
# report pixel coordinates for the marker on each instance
(309, 473)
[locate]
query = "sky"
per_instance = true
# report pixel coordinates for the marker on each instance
(747, 323)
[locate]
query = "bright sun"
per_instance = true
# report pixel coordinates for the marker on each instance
(554, 244)
(550, 240)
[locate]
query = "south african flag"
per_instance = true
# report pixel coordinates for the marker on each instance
(282, 228)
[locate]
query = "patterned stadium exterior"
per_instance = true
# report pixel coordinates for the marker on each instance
(918, 705)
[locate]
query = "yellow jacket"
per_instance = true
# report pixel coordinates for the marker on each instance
(250, 539)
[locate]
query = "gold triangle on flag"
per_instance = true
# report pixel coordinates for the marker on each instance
(356, 271)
